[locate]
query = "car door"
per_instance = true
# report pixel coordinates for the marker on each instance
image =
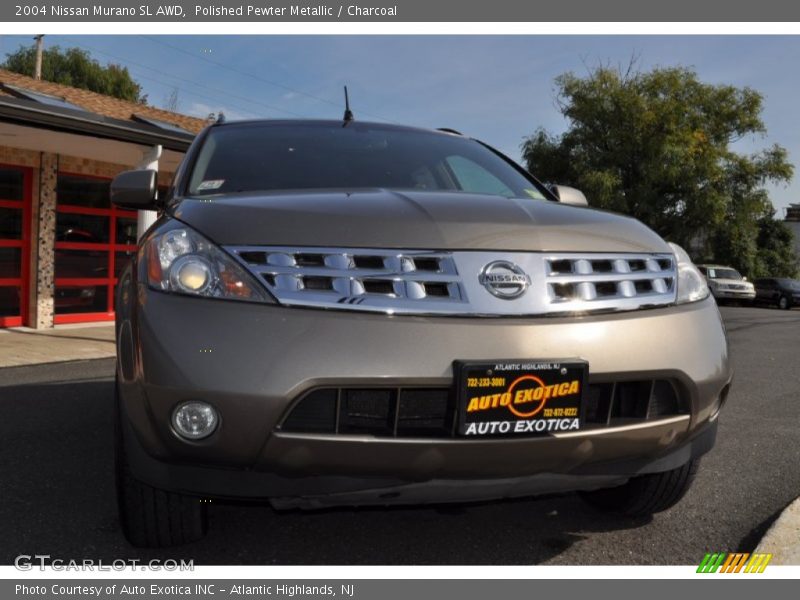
(761, 290)
(768, 291)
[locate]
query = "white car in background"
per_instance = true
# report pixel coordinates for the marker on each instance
(727, 284)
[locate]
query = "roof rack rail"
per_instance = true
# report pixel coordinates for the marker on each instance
(449, 130)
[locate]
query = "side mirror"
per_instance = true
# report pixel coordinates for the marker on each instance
(569, 195)
(135, 190)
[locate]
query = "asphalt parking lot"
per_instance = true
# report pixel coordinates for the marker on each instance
(58, 497)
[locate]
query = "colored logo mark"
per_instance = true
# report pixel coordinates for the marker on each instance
(734, 562)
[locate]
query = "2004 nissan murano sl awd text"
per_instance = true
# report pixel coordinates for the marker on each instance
(344, 313)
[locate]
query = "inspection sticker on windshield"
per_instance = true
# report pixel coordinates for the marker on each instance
(514, 398)
(210, 184)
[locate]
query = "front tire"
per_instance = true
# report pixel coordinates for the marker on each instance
(647, 494)
(150, 517)
(783, 303)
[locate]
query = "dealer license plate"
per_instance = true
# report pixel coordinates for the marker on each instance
(517, 398)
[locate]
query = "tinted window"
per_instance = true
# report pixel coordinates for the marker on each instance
(293, 156)
(791, 284)
(11, 184)
(75, 190)
(9, 301)
(81, 263)
(472, 176)
(10, 223)
(126, 231)
(10, 261)
(87, 229)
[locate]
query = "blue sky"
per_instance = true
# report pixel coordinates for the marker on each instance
(496, 88)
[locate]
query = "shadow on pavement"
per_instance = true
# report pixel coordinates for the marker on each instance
(56, 468)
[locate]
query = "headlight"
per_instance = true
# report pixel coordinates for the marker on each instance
(692, 285)
(181, 260)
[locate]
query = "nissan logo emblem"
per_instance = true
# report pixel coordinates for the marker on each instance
(504, 279)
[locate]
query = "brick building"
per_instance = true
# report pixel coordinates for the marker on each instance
(62, 244)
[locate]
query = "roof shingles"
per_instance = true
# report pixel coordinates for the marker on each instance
(100, 103)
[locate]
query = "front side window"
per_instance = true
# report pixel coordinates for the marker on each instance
(291, 156)
(791, 284)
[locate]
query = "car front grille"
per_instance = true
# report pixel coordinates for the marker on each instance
(353, 277)
(410, 412)
(453, 283)
(590, 282)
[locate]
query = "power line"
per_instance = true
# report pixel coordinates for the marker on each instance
(192, 93)
(256, 77)
(226, 93)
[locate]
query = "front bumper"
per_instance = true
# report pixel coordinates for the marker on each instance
(328, 490)
(251, 361)
(745, 295)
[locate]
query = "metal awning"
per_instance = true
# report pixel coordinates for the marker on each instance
(57, 118)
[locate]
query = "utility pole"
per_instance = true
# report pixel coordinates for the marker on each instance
(39, 48)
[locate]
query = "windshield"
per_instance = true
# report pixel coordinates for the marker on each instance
(261, 157)
(716, 273)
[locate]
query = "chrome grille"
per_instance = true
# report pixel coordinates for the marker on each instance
(609, 281)
(377, 278)
(448, 283)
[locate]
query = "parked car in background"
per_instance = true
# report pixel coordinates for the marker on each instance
(727, 284)
(779, 291)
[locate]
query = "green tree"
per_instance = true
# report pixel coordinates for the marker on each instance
(657, 145)
(776, 256)
(75, 67)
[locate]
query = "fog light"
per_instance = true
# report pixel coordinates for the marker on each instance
(194, 420)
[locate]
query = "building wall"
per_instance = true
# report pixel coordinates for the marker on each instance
(95, 168)
(17, 156)
(42, 231)
(41, 305)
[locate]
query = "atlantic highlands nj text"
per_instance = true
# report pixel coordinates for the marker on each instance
(178, 11)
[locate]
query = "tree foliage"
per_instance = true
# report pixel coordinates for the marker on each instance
(75, 67)
(657, 145)
(775, 249)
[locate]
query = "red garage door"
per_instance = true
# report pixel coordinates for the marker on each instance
(94, 242)
(15, 208)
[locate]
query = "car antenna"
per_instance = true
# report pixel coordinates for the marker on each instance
(348, 114)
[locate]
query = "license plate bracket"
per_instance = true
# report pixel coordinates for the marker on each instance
(515, 398)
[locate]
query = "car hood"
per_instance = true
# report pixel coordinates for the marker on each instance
(412, 220)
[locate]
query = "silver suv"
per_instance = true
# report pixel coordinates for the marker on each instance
(343, 313)
(727, 284)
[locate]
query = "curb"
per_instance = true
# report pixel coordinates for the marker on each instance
(51, 360)
(782, 540)
(57, 372)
